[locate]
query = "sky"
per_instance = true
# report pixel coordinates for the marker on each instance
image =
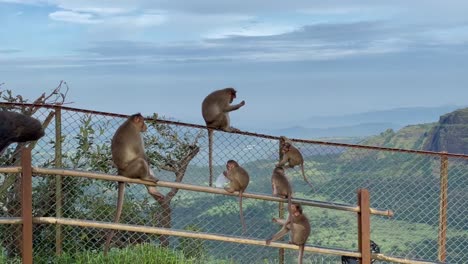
(288, 60)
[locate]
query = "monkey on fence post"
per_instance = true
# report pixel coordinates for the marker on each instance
(16, 128)
(216, 107)
(297, 225)
(128, 154)
(215, 111)
(292, 156)
(239, 180)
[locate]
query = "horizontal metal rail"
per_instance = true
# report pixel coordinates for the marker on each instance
(10, 169)
(172, 232)
(223, 238)
(183, 186)
(11, 220)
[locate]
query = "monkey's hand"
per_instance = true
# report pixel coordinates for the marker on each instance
(225, 173)
(242, 103)
(274, 220)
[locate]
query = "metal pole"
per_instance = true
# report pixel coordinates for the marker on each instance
(364, 226)
(58, 180)
(443, 205)
(26, 206)
(281, 209)
(210, 155)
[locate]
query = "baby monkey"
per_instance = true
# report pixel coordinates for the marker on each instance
(280, 185)
(292, 156)
(239, 180)
(299, 227)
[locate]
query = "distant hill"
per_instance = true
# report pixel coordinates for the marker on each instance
(450, 133)
(361, 124)
(398, 116)
(359, 130)
(409, 137)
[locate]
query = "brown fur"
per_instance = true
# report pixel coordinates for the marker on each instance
(297, 225)
(216, 107)
(292, 157)
(239, 180)
(128, 154)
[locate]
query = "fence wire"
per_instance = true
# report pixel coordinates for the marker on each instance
(407, 183)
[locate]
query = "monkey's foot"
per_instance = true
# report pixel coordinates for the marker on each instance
(157, 195)
(268, 241)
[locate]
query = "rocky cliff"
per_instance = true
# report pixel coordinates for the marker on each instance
(450, 134)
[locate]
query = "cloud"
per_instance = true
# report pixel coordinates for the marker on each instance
(9, 51)
(308, 43)
(74, 17)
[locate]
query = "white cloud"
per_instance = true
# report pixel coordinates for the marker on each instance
(74, 17)
(252, 30)
(101, 11)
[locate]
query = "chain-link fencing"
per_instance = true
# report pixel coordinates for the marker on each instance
(407, 182)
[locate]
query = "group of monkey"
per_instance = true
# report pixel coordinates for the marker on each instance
(128, 155)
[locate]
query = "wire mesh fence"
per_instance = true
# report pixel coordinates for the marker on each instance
(409, 183)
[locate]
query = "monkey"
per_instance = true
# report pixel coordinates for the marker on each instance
(128, 155)
(299, 227)
(216, 107)
(16, 128)
(215, 110)
(280, 185)
(292, 156)
(239, 180)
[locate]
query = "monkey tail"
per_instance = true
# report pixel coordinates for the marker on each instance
(290, 212)
(241, 213)
(120, 199)
(210, 155)
(301, 254)
(305, 178)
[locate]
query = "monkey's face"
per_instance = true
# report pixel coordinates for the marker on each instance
(139, 122)
(233, 96)
(229, 166)
(296, 209)
(286, 148)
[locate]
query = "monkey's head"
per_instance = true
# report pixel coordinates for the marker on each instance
(139, 122)
(279, 169)
(232, 94)
(296, 208)
(231, 164)
(286, 147)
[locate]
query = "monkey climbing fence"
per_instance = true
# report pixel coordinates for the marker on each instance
(426, 190)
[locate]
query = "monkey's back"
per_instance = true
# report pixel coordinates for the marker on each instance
(283, 186)
(126, 145)
(211, 105)
(17, 127)
(296, 157)
(243, 178)
(301, 227)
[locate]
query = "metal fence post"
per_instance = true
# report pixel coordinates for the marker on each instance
(26, 206)
(443, 204)
(364, 226)
(210, 155)
(281, 212)
(58, 179)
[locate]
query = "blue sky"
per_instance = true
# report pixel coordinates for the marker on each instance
(289, 60)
